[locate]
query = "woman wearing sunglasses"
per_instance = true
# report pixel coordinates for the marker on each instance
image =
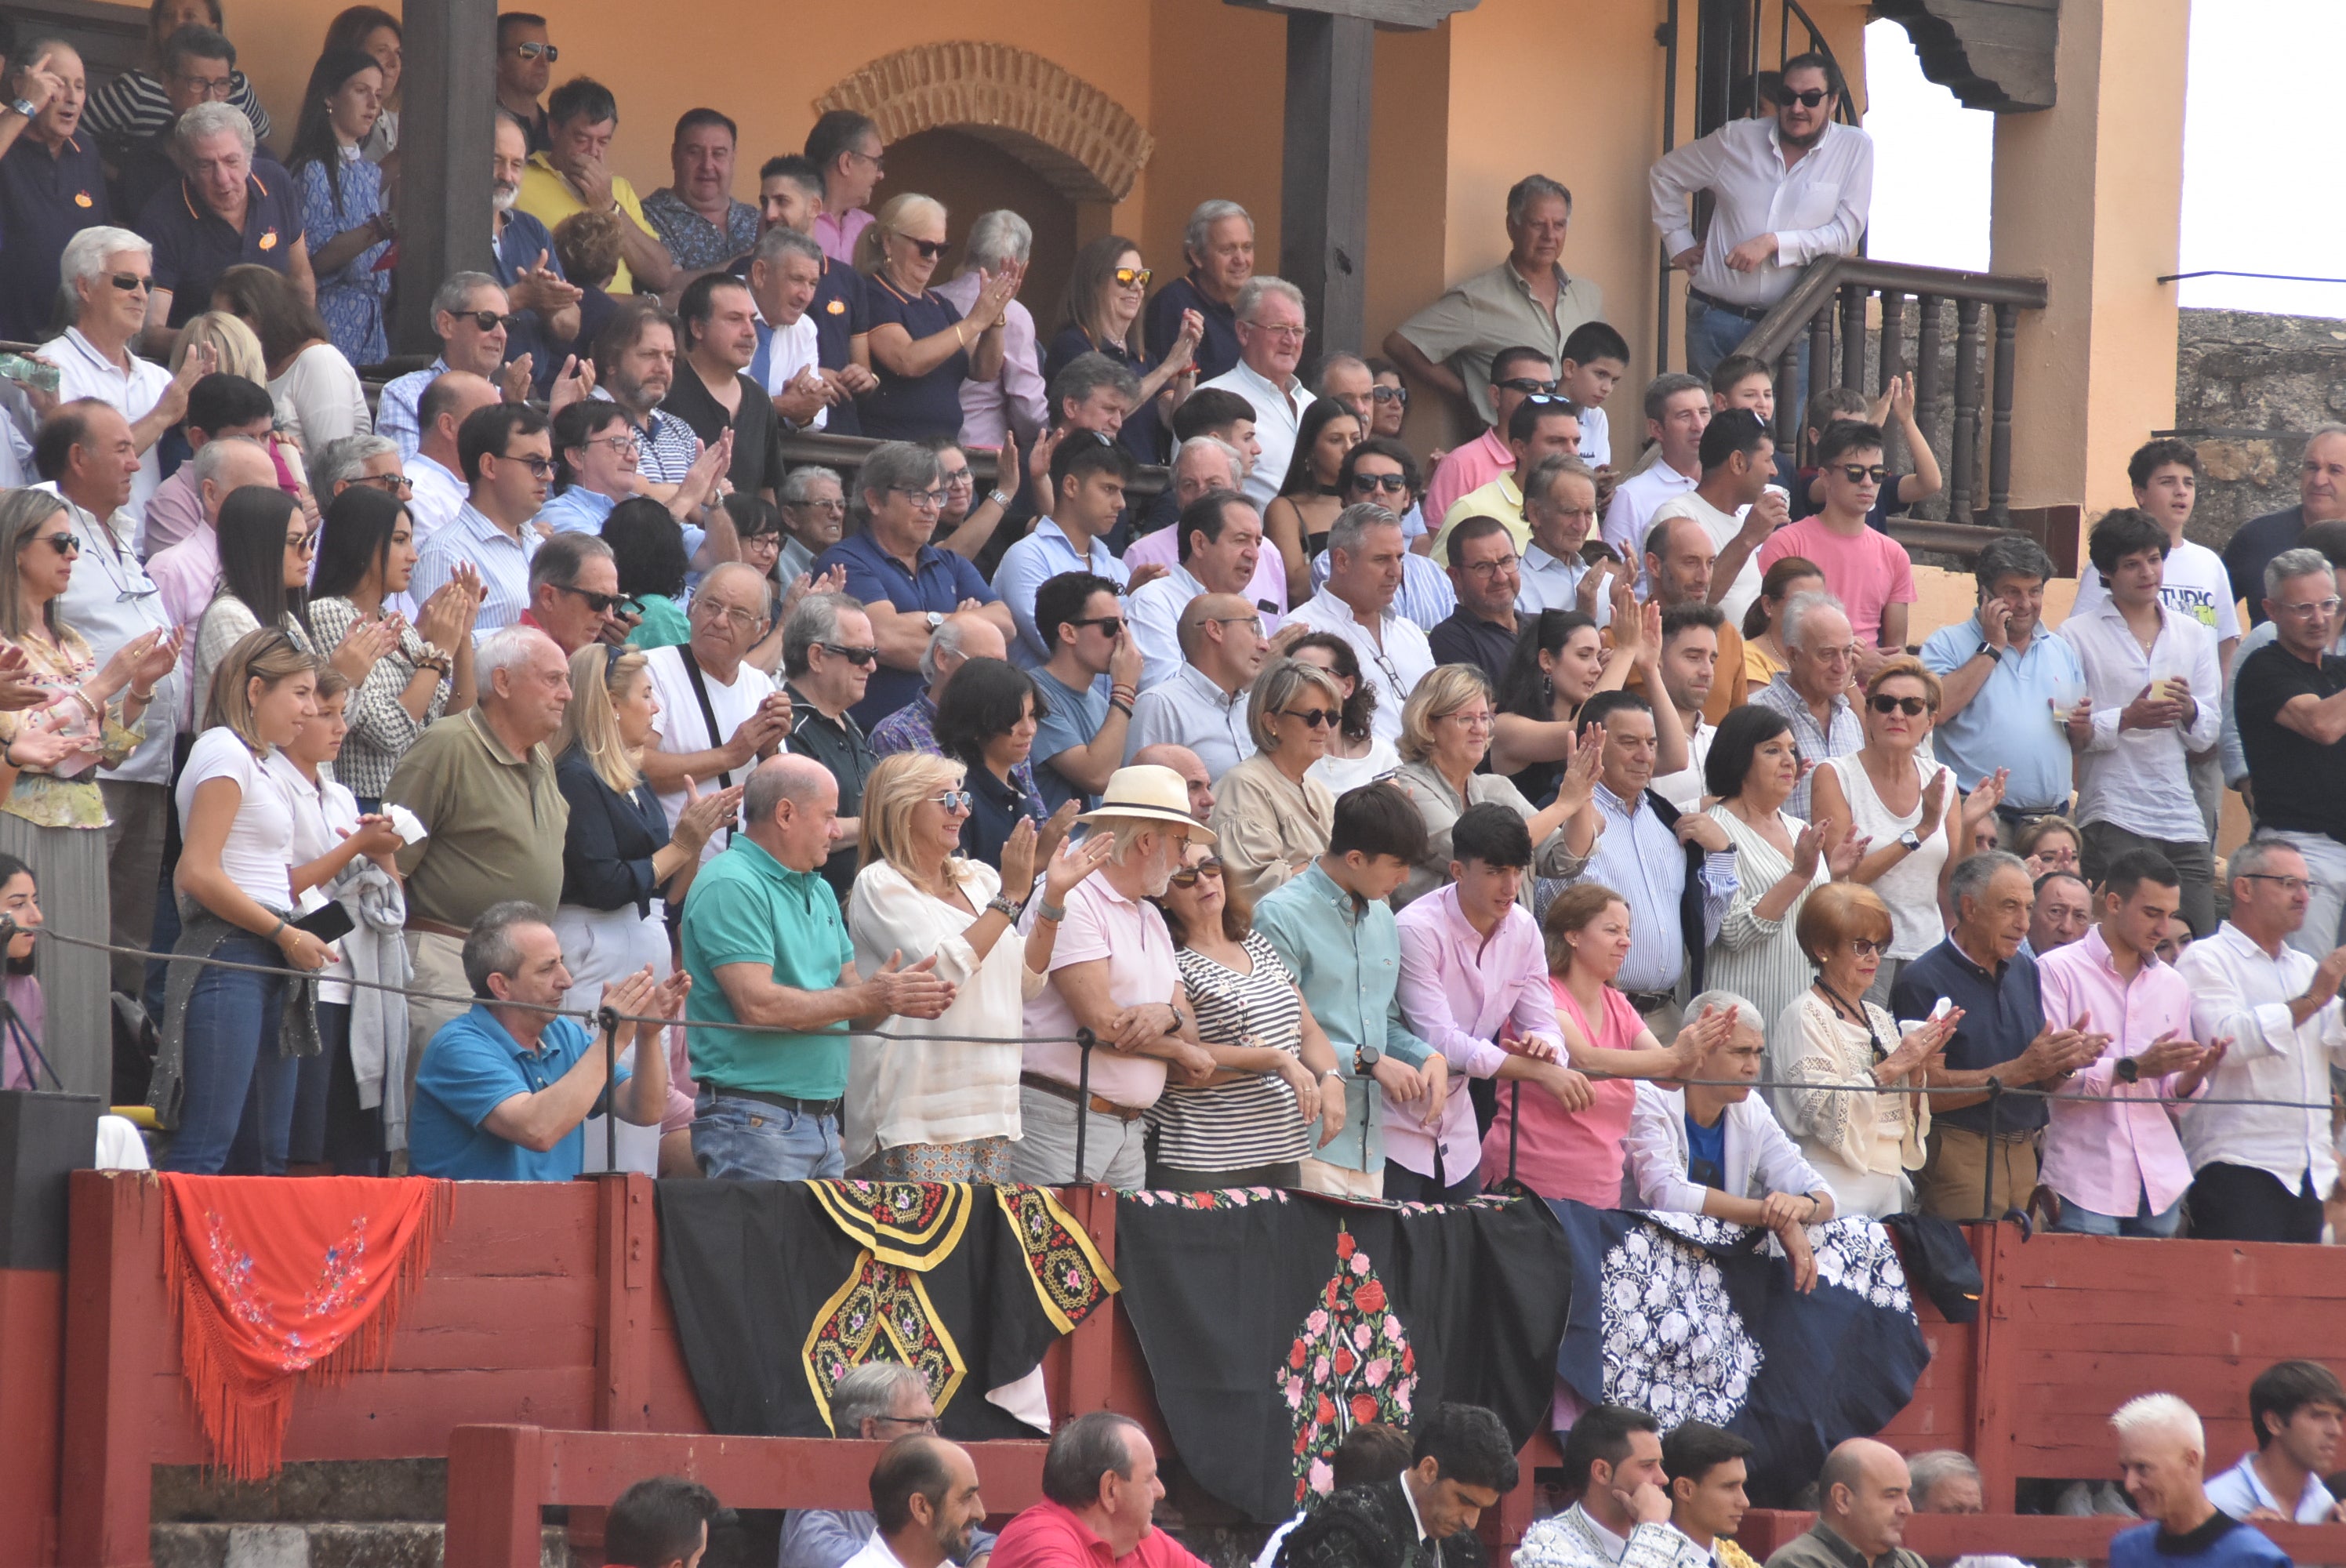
(266, 548)
(937, 1099)
(1356, 754)
(1389, 403)
(1272, 819)
(1841, 1048)
(1886, 792)
(1309, 498)
(986, 719)
(1101, 314)
(1263, 1115)
(920, 346)
(1445, 732)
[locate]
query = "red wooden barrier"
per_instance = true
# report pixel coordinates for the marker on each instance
(2037, 1537)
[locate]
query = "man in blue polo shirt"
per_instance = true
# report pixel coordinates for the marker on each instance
(51, 185)
(765, 946)
(505, 1091)
(234, 207)
(908, 586)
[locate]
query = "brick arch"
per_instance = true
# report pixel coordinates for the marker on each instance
(1068, 130)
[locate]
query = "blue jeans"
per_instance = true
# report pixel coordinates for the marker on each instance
(739, 1139)
(237, 1117)
(1713, 334)
(2076, 1221)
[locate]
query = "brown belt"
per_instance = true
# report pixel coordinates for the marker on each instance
(1074, 1096)
(436, 928)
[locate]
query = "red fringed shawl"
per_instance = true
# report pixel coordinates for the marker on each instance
(272, 1278)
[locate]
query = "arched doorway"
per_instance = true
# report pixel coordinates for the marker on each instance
(973, 176)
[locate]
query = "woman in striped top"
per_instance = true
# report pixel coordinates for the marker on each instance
(135, 105)
(1263, 1112)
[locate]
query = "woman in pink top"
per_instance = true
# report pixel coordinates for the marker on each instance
(1577, 1154)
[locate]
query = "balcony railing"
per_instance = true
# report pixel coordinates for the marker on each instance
(1831, 301)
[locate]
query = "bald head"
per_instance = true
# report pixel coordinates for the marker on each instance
(959, 639)
(1862, 1495)
(1185, 762)
(453, 396)
(1207, 608)
(740, 574)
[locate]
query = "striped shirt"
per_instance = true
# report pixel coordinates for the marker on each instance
(1253, 1122)
(134, 106)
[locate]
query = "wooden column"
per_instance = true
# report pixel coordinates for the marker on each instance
(444, 146)
(1323, 204)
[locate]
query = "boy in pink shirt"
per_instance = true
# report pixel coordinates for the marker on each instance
(1868, 572)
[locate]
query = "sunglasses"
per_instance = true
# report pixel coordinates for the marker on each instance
(1187, 877)
(956, 801)
(861, 659)
(1882, 702)
(489, 320)
(548, 51)
(1866, 947)
(131, 282)
(1111, 626)
(1131, 276)
(1526, 384)
(1391, 394)
(1809, 99)
(601, 603)
(1317, 717)
(391, 483)
(1391, 484)
(1858, 473)
(539, 467)
(304, 543)
(930, 249)
(63, 543)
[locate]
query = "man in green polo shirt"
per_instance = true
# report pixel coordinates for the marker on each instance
(766, 948)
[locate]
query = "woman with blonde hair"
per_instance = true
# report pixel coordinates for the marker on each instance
(619, 859)
(1272, 819)
(236, 347)
(919, 344)
(1445, 733)
(1100, 314)
(937, 1099)
(1845, 1052)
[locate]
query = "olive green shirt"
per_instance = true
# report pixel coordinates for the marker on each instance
(497, 822)
(1480, 315)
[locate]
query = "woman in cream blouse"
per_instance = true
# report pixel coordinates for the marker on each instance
(1271, 820)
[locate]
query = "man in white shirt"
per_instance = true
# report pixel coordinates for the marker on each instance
(785, 270)
(1271, 327)
(925, 1500)
(2259, 1172)
(1204, 705)
(1221, 540)
(434, 469)
(1734, 505)
(1364, 568)
(1785, 191)
(1613, 1458)
(94, 358)
(719, 715)
(2296, 1410)
(2143, 713)
(1678, 410)
(1560, 511)
(1690, 665)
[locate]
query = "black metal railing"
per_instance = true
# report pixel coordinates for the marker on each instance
(1832, 298)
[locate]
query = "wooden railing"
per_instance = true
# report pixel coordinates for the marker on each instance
(1832, 296)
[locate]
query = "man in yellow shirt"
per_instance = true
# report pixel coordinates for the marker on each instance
(1541, 426)
(571, 176)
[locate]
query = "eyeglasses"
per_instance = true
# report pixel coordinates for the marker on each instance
(2288, 884)
(304, 543)
(1110, 626)
(761, 542)
(1317, 717)
(957, 479)
(1866, 947)
(928, 499)
(620, 446)
(1131, 276)
(601, 603)
(1858, 473)
(1493, 568)
(834, 505)
(918, 1423)
(1391, 394)
(1882, 702)
(744, 620)
(1465, 721)
(930, 249)
(1807, 100)
(539, 467)
(2317, 607)
(1391, 484)
(956, 801)
(1845, 654)
(1284, 334)
(879, 162)
(1526, 385)
(213, 87)
(532, 51)
(1187, 877)
(1254, 621)
(861, 659)
(390, 484)
(131, 282)
(489, 320)
(63, 543)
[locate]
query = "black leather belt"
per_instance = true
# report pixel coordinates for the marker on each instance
(781, 1102)
(1651, 1000)
(1748, 312)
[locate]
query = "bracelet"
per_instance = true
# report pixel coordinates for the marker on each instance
(999, 499)
(958, 337)
(8, 756)
(137, 695)
(1120, 706)
(1045, 910)
(274, 929)
(1005, 906)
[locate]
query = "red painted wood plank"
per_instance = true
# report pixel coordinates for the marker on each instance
(32, 1389)
(494, 1474)
(1940, 1536)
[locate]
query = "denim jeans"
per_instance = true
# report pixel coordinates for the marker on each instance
(739, 1139)
(2076, 1221)
(1712, 335)
(238, 1115)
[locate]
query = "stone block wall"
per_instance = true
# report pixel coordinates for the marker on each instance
(2247, 388)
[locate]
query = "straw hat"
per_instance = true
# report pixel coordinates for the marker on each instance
(1152, 793)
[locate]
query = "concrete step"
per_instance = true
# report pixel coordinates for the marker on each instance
(376, 1544)
(356, 1491)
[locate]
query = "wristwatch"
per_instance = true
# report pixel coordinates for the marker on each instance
(1365, 1058)
(936, 619)
(1994, 652)
(1910, 842)
(2126, 1070)
(24, 107)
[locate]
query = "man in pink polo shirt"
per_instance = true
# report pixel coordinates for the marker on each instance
(1100, 1492)
(2116, 1162)
(1516, 374)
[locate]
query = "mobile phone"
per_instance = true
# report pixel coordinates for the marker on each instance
(329, 921)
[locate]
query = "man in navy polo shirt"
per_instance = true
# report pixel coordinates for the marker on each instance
(1219, 244)
(51, 185)
(908, 585)
(232, 208)
(505, 1091)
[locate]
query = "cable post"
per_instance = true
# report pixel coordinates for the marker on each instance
(1987, 1182)
(1084, 1041)
(607, 1018)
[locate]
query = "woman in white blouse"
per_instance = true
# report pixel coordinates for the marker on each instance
(943, 1108)
(1844, 1053)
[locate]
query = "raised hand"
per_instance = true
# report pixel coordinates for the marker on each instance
(704, 814)
(1934, 803)
(572, 384)
(513, 378)
(1056, 830)
(40, 749)
(20, 689)
(363, 646)
(1808, 850)
(1073, 862)
(1985, 798)
(1018, 861)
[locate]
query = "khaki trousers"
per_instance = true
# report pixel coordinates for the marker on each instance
(1955, 1169)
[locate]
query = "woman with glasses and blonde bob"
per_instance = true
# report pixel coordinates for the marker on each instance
(1445, 732)
(1854, 1112)
(1271, 817)
(919, 345)
(1263, 1113)
(937, 1099)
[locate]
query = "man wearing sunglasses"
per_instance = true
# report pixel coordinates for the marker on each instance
(574, 592)
(1542, 426)
(108, 272)
(1516, 374)
(470, 318)
(524, 69)
(828, 657)
(1081, 739)
(1785, 191)
(507, 455)
(1869, 573)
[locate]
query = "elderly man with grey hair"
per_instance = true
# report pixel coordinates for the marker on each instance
(718, 713)
(481, 783)
(574, 592)
(1365, 569)
(774, 985)
(1217, 243)
(785, 273)
(1527, 301)
(878, 1401)
(1946, 1480)
(504, 1092)
(460, 306)
(349, 459)
(227, 182)
(827, 658)
(959, 639)
(813, 502)
(1812, 689)
(2162, 1453)
(2290, 718)
(2007, 684)
(1270, 331)
(1346, 377)
(1011, 405)
(94, 358)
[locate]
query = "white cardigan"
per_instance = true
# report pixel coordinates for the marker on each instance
(1760, 1158)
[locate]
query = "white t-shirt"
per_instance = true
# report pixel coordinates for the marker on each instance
(323, 814)
(257, 853)
(794, 349)
(682, 730)
(1721, 527)
(1596, 437)
(2195, 585)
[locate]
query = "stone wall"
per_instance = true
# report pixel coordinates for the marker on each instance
(2247, 388)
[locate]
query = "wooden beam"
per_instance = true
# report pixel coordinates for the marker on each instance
(1400, 15)
(1995, 55)
(1324, 203)
(444, 144)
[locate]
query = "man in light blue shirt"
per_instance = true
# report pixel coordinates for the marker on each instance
(1334, 930)
(1088, 474)
(470, 317)
(508, 458)
(2002, 678)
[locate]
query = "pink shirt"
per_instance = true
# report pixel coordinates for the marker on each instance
(1103, 924)
(1268, 584)
(1049, 1536)
(1564, 1153)
(2107, 1157)
(1867, 573)
(1458, 993)
(837, 236)
(1471, 467)
(175, 511)
(189, 575)
(1014, 400)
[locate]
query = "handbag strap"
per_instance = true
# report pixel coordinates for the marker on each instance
(707, 716)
